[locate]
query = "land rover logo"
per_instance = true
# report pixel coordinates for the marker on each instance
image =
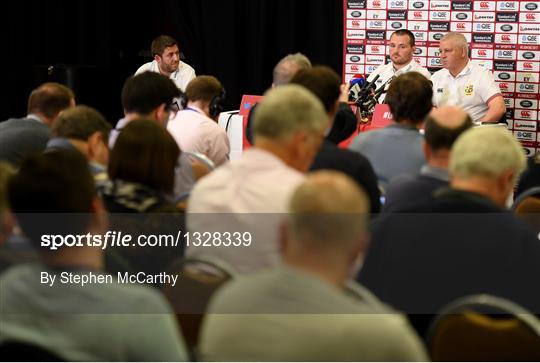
(504, 76)
(396, 25)
(417, 51)
(418, 5)
(506, 28)
(462, 16)
(355, 59)
(531, 6)
(356, 14)
(437, 36)
(527, 152)
(528, 55)
(526, 103)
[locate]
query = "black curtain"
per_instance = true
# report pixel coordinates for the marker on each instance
(103, 42)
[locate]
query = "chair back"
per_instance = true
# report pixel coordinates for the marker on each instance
(198, 279)
(484, 328)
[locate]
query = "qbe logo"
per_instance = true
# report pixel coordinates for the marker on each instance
(434, 62)
(397, 4)
(505, 54)
(525, 135)
(439, 15)
(484, 27)
(528, 39)
(420, 36)
(507, 5)
(376, 24)
(527, 88)
(509, 102)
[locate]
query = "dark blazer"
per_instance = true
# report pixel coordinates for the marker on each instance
(458, 245)
(353, 164)
(406, 190)
(22, 137)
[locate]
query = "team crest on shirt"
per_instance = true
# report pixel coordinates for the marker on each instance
(469, 89)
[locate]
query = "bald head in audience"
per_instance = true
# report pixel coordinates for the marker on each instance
(443, 126)
(288, 67)
(326, 230)
(290, 123)
(487, 160)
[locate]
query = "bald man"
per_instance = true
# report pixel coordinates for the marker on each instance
(443, 126)
(302, 311)
(466, 84)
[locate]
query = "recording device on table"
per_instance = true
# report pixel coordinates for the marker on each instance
(365, 94)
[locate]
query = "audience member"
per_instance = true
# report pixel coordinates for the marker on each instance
(151, 95)
(463, 242)
(195, 129)
(166, 53)
(397, 149)
(289, 129)
(84, 129)
(24, 136)
(344, 122)
(325, 84)
(79, 322)
(142, 170)
(443, 126)
(466, 84)
(300, 311)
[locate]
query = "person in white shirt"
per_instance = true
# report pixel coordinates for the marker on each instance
(195, 129)
(250, 194)
(466, 84)
(167, 61)
(401, 51)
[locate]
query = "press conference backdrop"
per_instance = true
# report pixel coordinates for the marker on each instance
(504, 36)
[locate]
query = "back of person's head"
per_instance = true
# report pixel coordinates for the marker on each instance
(444, 125)
(145, 153)
(486, 152)
(329, 211)
(52, 193)
(49, 99)
(160, 43)
(204, 88)
(286, 110)
(287, 67)
(410, 98)
(323, 81)
(80, 123)
(144, 92)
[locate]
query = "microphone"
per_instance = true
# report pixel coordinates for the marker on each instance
(363, 94)
(355, 86)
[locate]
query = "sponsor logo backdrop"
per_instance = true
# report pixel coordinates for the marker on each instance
(504, 37)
